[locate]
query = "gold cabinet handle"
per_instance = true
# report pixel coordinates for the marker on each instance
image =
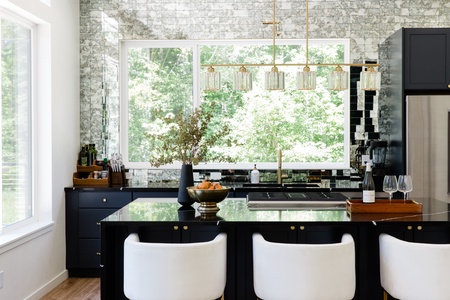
(302, 227)
(419, 227)
(185, 227)
(409, 227)
(448, 86)
(175, 227)
(292, 227)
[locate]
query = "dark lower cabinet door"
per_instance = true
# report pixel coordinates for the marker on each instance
(89, 250)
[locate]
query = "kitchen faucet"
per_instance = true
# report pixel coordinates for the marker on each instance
(280, 175)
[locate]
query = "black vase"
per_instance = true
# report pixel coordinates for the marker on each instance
(186, 213)
(186, 179)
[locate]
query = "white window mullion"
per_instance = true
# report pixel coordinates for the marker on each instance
(196, 71)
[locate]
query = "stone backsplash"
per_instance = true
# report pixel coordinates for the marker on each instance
(367, 24)
(237, 178)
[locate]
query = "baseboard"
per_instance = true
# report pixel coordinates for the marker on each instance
(49, 286)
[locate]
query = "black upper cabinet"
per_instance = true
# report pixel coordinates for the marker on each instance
(427, 59)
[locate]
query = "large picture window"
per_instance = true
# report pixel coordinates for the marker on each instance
(16, 106)
(310, 127)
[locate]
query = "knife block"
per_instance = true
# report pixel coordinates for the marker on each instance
(116, 179)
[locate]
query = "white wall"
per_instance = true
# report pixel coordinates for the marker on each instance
(35, 267)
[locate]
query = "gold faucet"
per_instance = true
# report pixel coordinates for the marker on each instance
(280, 175)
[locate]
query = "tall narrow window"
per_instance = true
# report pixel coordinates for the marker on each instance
(16, 120)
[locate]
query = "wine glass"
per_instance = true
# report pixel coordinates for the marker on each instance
(390, 185)
(405, 185)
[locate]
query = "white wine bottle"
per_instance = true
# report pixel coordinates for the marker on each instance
(368, 185)
(254, 176)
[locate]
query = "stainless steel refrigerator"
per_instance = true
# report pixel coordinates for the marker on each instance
(427, 145)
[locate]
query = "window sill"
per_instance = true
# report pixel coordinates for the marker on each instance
(22, 235)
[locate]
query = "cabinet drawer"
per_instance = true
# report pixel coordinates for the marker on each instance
(88, 220)
(106, 199)
(172, 194)
(89, 250)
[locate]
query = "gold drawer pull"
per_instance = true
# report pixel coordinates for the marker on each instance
(185, 227)
(292, 227)
(302, 227)
(409, 227)
(448, 86)
(419, 227)
(175, 227)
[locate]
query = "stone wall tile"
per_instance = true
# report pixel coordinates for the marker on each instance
(103, 23)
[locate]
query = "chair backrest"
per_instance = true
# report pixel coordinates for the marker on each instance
(184, 271)
(414, 270)
(304, 271)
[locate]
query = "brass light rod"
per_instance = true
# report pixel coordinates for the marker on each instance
(274, 22)
(306, 29)
(274, 29)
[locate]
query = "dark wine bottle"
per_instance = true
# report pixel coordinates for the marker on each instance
(105, 164)
(84, 155)
(368, 185)
(90, 158)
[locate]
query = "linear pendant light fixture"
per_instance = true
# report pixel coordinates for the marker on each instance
(370, 79)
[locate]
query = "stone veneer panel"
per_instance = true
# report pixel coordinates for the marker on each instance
(103, 23)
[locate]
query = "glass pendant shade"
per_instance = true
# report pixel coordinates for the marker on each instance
(274, 80)
(338, 79)
(242, 80)
(306, 80)
(210, 80)
(370, 80)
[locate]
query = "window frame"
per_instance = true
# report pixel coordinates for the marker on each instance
(197, 69)
(32, 27)
(41, 221)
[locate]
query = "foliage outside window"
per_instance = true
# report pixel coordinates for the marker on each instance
(16, 94)
(310, 127)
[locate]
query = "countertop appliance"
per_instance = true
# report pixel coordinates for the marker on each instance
(296, 200)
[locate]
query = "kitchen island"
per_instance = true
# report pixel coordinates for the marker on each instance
(163, 220)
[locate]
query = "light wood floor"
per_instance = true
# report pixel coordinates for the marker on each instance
(76, 289)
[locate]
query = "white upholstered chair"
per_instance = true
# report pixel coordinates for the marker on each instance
(182, 271)
(410, 271)
(304, 271)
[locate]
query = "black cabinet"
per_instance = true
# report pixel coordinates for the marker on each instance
(427, 59)
(85, 208)
(417, 62)
(156, 194)
(167, 232)
(84, 211)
